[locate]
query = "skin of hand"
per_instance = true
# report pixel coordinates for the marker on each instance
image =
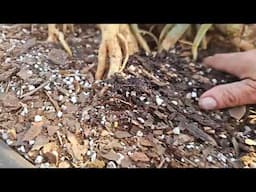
(243, 92)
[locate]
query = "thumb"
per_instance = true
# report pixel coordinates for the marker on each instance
(229, 95)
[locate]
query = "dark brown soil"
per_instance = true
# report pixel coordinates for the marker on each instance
(147, 116)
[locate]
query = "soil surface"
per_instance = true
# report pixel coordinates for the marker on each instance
(54, 114)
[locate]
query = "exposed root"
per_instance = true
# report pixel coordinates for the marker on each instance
(151, 35)
(54, 34)
(139, 38)
(116, 39)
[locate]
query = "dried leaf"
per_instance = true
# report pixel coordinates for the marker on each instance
(139, 156)
(198, 133)
(64, 164)
(250, 142)
(77, 150)
(52, 129)
(24, 74)
(58, 56)
(5, 75)
(40, 141)
(237, 112)
(95, 164)
(26, 46)
(12, 134)
(34, 131)
(145, 142)
(9, 101)
(50, 152)
(111, 155)
(126, 162)
(122, 134)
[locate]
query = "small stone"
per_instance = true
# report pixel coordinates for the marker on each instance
(133, 93)
(45, 165)
(209, 158)
(73, 99)
(174, 102)
(38, 118)
(190, 83)
(142, 98)
(22, 149)
(31, 142)
(141, 120)
(31, 87)
(4, 136)
(193, 94)
(176, 130)
(196, 160)
(188, 96)
(59, 114)
(39, 159)
(159, 101)
(47, 87)
(214, 81)
(111, 164)
(9, 142)
(93, 156)
(223, 136)
(139, 133)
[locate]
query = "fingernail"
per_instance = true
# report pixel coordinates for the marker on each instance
(207, 103)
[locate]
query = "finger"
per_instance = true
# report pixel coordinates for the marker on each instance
(229, 95)
(242, 64)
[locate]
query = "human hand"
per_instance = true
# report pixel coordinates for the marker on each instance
(242, 65)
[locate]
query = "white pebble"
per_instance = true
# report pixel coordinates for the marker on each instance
(174, 102)
(196, 160)
(194, 94)
(9, 142)
(188, 96)
(59, 114)
(142, 98)
(87, 84)
(133, 93)
(5, 136)
(223, 136)
(36, 66)
(159, 101)
(88, 153)
(139, 133)
(77, 78)
(214, 81)
(141, 120)
(38, 118)
(190, 83)
(45, 165)
(22, 149)
(63, 107)
(31, 87)
(47, 87)
(73, 99)
(127, 94)
(209, 158)
(93, 156)
(60, 97)
(111, 164)
(31, 142)
(119, 160)
(221, 157)
(176, 130)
